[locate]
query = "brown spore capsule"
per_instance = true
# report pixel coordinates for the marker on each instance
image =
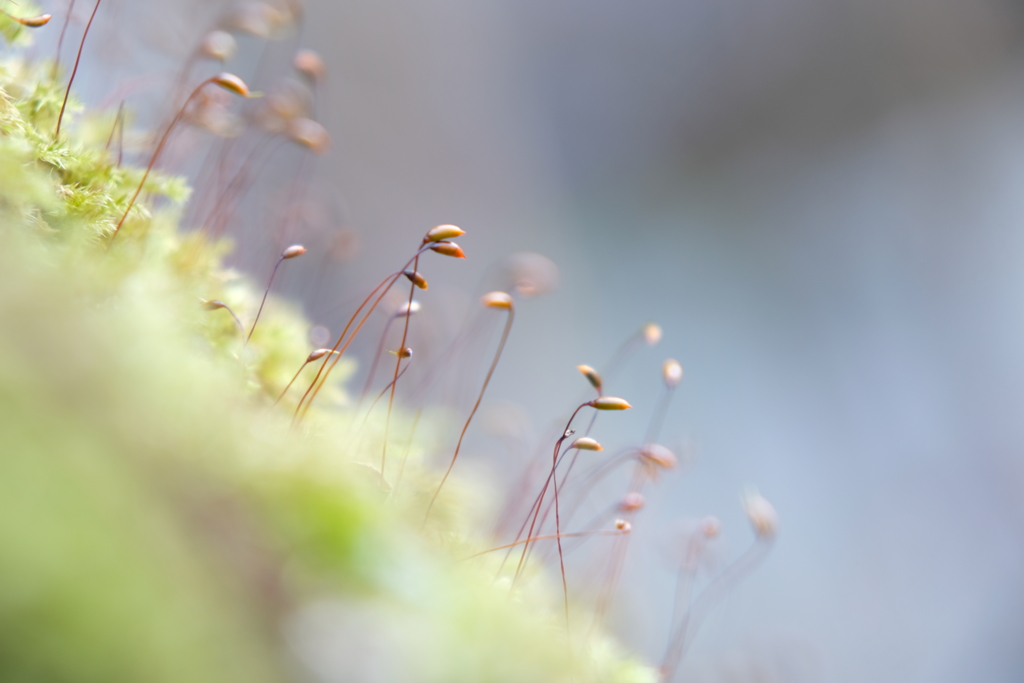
(293, 251)
(32, 22)
(592, 376)
(318, 354)
(761, 513)
(218, 45)
(610, 403)
(310, 134)
(710, 527)
(416, 278)
(497, 300)
(444, 232)
(448, 249)
(631, 502)
(672, 373)
(309, 64)
(232, 83)
(659, 456)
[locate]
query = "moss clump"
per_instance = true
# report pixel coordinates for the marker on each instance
(158, 520)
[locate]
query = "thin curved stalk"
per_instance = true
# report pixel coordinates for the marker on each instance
(518, 493)
(74, 71)
(715, 591)
(558, 489)
(156, 154)
(324, 371)
(683, 596)
(118, 128)
(398, 364)
(619, 553)
(214, 305)
(533, 507)
(468, 333)
(266, 292)
(60, 41)
(465, 427)
(621, 355)
(551, 537)
(508, 506)
(376, 360)
(566, 433)
(289, 386)
(658, 415)
(408, 447)
(317, 383)
(373, 405)
(248, 171)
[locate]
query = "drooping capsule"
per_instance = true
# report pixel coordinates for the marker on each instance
(318, 354)
(232, 83)
(258, 19)
(610, 403)
(592, 376)
(631, 502)
(761, 513)
(651, 333)
(448, 249)
(497, 300)
(585, 443)
(710, 527)
(659, 456)
(531, 274)
(32, 22)
(310, 65)
(415, 278)
(218, 45)
(444, 232)
(310, 134)
(293, 251)
(672, 373)
(214, 304)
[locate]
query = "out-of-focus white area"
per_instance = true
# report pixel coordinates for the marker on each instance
(822, 203)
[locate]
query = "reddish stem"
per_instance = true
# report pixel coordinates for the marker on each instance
(265, 293)
(60, 41)
(398, 364)
(373, 405)
(314, 386)
(550, 537)
(540, 500)
(487, 380)
(376, 360)
(74, 71)
(159, 148)
(118, 128)
(387, 283)
(713, 593)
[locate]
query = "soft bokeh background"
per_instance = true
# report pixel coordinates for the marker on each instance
(822, 204)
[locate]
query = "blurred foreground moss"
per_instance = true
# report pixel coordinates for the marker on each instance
(159, 520)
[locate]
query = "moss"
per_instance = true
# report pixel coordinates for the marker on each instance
(159, 521)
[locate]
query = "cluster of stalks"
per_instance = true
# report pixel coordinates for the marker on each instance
(560, 498)
(229, 171)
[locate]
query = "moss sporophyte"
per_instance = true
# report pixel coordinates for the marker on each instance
(173, 508)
